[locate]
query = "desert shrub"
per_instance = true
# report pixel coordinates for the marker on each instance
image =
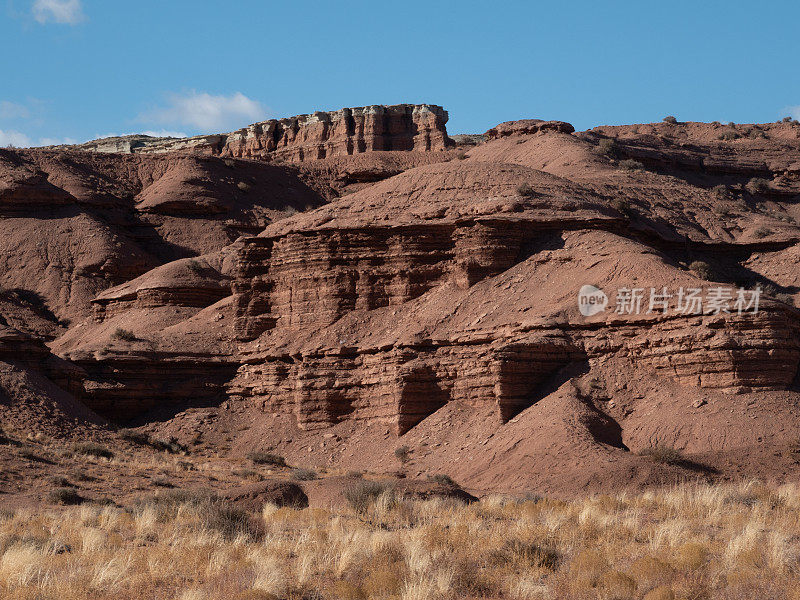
(670, 119)
(701, 269)
(162, 482)
(663, 455)
(60, 481)
(443, 479)
(757, 185)
(631, 165)
(228, 520)
(728, 135)
(134, 437)
(124, 335)
(247, 474)
(526, 190)
(212, 511)
(721, 191)
(167, 502)
(606, 147)
(243, 185)
(171, 445)
(786, 120)
(462, 155)
(64, 495)
(762, 232)
(622, 206)
(266, 458)
(403, 454)
(304, 474)
(229, 162)
(92, 449)
(532, 555)
(195, 266)
(756, 134)
(364, 493)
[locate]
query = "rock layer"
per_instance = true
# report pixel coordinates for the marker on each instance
(404, 127)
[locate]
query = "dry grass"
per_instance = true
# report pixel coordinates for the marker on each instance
(731, 542)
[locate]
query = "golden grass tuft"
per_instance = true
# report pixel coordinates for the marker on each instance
(690, 541)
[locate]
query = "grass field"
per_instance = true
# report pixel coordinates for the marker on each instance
(694, 542)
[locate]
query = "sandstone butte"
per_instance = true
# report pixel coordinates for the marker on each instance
(332, 286)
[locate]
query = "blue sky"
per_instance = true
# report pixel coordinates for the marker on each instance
(72, 70)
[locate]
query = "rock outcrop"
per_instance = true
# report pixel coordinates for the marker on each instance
(401, 127)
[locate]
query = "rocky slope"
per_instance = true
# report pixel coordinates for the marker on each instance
(426, 299)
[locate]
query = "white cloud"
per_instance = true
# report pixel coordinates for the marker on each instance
(206, 112)
(14, 138)
(47, 141)
(793, 111)
(58, 11)
(164, 133)
(151, 132)
(12, 110)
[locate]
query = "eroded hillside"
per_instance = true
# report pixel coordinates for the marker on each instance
(422, 296)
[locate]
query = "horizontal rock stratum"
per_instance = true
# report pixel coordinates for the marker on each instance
(406, 127)
(333, 286)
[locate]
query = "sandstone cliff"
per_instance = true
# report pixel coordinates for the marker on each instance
(403, 127)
